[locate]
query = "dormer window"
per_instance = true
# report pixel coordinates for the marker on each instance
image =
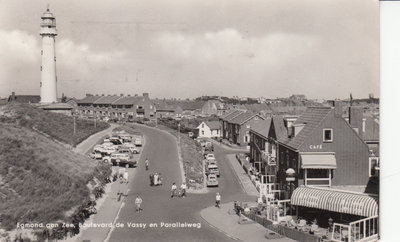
(327, 135)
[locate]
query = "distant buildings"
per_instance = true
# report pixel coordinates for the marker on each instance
(119, 107)
(23, 98)
(236, 126)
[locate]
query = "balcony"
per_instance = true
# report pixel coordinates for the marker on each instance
(269, 158)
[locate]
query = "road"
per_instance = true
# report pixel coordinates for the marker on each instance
(159, 207)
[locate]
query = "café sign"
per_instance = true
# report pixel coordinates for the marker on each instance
(316, 147)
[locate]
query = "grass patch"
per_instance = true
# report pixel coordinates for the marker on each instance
(191, 156)
(57, 126)
(40, 180)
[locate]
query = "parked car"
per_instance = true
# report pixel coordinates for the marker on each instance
(210, 156)
(138, 141)
(122, 159)
(132, 148)
(212, 180)
(116, 140)
(95, 155)
(212, 169)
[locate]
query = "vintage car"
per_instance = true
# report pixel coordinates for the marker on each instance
(131, 147)
(122, 159)
(210, 156)
(212, 169)
(212, 180)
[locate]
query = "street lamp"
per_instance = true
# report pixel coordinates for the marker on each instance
(290, 177)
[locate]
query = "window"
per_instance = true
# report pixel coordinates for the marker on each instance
(327, 135)
(256, 118)
(202, 125)
(202, 132)
(373, 163)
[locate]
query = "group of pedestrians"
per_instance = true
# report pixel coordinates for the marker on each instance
(178, 193)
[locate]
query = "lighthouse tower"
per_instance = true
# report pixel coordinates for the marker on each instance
(48, 83)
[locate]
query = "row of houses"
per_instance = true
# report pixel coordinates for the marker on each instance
(326, 163)
(114, 106)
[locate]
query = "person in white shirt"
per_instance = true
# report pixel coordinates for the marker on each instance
(183, 190)
(218, 200)
(126, 177)
(173, 189)
(138, 202)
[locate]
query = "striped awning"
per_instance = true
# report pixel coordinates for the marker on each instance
(318, 161)
(335, 201)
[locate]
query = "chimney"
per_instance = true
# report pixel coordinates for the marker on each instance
(102, 94)
(363, 124)
(13, 96)
(355, 118)
(146, 94)
(136, 95)
(129, 95)
(121, 94)
(337, 104)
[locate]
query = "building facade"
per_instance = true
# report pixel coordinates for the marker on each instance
(209, 129)
(120, 107)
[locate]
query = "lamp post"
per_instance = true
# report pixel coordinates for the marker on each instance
(290, 177)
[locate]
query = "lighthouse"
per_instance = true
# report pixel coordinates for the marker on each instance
(48, 83)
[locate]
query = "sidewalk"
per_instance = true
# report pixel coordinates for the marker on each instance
(227, 223)
(244, 179)
(107, 212)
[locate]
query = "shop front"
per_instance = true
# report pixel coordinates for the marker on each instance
(349, 216)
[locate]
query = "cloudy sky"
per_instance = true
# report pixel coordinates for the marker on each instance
(182, 48)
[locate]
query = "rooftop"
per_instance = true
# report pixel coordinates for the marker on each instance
(262, 127)
(213, 125)
(311, 118)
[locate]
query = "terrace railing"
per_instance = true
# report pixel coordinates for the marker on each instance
(361, 230)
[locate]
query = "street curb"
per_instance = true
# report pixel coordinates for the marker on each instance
(219, 230)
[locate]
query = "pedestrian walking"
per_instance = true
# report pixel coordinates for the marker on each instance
(173, 190)
(183, 190)
(126, 177)
(151, 176)
(147, 164)
(138, 203)
(156, 179)
(218, 200)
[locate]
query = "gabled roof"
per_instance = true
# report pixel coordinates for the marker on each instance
(262, 127)
(244, 117)
(107, 99)
(229, 112)
(88, 99)
(279, 127)
(213, 125)
(311, 118)
(232, 115)
(127, 100)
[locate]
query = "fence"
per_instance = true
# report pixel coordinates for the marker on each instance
(361, 230)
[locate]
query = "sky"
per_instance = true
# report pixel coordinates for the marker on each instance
(185, 48)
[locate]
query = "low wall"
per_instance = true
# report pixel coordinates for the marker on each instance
(283, 230)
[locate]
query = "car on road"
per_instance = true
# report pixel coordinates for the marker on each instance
(210, 156)
(122, 159)
(212, 180)
(212, 169)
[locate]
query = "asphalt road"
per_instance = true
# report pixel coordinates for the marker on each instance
(162, 210)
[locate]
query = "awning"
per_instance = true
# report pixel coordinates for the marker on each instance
(318, 161)
(335, 201)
